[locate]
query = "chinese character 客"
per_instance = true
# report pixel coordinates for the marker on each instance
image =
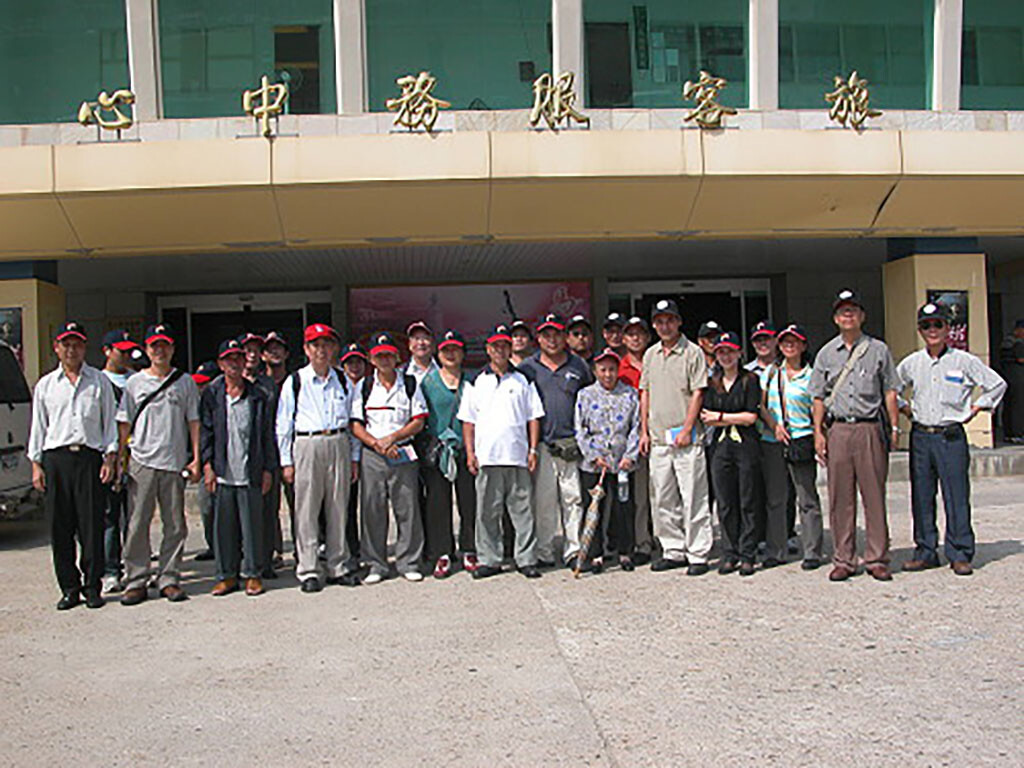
(270, 104)
(708, 113)
(553, 100)
(850, 101)
(415, 105)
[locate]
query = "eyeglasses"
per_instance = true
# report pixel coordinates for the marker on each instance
(925, 325)
(580, 332)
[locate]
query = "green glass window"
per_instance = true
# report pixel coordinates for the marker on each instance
(639, 55)
(485, 54)
(212, 50)
(58, 54)
(992, 60)
(888, 43)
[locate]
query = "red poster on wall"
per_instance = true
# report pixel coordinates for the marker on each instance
(471, 309)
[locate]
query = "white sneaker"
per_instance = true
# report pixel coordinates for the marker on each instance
(111, 583)
(373, 578)
(413, 576)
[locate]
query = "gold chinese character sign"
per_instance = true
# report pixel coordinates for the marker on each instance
(95, 111)
(708, 113)
(272, 98)
(849, 101)
(416, 106)
(553, 100)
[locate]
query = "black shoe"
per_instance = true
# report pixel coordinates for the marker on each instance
(596, 568)
(69, 600)
(641, 558)
(268, 573)
(727, 566)
(810, 564)
(697, 569)
(545, 564)
(345, 580)
(529, 571)
(93, 599)
(746, 569)
(771, 562)
(484, 571)
(206, 554)
(627, 565)
(311, 585)
(665, 564)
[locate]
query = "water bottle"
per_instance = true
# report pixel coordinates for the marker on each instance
(623, 486)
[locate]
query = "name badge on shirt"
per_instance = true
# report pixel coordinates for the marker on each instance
(955, 376)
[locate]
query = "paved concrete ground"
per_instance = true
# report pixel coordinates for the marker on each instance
(620, 669)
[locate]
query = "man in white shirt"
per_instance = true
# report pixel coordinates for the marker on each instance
(388, 410)
(318, 456)
(73, 446)
(421, 349)
(500, 414)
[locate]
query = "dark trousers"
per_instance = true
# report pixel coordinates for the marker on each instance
(736, 475)
(938, 460)
(352, 525)
(615, 532)
(115, 507)
(238, 545)
(438, 530)
(205, 501)
(74, 501)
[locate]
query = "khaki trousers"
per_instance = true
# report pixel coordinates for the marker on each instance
(148, 487)
(557, 506)
(501, 489)
(679, 502)
(857, 459)
(323, 471)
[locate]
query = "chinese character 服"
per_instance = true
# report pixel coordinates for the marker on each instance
(553, 100)
(272, 98)
(416, 106)
(850, 101)
(93, 111)
(708, 113)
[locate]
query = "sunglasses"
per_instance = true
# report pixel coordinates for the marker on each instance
(928, 324)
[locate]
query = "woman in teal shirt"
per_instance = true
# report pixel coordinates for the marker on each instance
(789, 446)
(444, 466)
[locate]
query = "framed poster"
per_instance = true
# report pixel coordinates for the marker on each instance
(471, 309)
(956, 302)
(10, 332)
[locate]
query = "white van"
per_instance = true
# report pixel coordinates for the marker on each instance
(15, 410)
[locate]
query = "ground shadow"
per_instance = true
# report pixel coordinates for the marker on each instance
(985, 552)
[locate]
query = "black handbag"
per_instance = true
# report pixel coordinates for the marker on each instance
(798, 450)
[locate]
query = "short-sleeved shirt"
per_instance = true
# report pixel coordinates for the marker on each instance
(500, 409)
(387, 410)
(798, 401)
(558, 390)
(161, 438)
(413, 369)
(863, 392)
(943, 385)
(743, 397)
(239, 424)
(671, 380)
(629, 372)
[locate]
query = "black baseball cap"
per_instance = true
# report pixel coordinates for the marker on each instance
(450, 337)
(550, 320)
(762, 328)
(120, 339)
(636, 320)
(383, 343)
(933, 311)
(248, 336)
(501, 332)
(275, 337)
(353, 349)
(206, 372)
(665, 307)
(709, 328)
(230, 347)
(522, 325)
(71, 328)
(847, 296)
(578, 320)
(793, 329)
(730, 340)
(613, 319)
(160, 332)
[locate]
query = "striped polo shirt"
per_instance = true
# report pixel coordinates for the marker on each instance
(798, 401)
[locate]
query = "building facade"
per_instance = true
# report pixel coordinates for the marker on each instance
(194, 216)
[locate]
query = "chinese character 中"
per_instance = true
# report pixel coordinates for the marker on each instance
(271, 102)
(553, 100)
(415, 105)
(708, 113)
(93, 111)
(850, 101)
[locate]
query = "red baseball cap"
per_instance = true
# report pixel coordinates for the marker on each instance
(319, 331)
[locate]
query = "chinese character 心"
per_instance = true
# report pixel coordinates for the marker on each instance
(92, 111)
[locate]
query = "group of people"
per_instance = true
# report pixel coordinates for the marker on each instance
(655, 434)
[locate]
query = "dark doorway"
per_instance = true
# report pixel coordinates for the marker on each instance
(297, 63)
(697, 308)
(609, 67)
(209, 329)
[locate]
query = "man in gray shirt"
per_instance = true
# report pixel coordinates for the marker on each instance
(943, 379)
(853, 379)
(158, 417)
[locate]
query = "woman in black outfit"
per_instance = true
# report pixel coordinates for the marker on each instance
(731, 405)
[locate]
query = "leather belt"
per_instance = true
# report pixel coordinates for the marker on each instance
(321, 433)
(933, 430)
(853, 419)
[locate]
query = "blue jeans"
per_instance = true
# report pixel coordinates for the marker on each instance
(938, 459)
(115, 504)
(238, 541)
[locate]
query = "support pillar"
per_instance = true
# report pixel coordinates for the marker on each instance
(142, 20)
(763, 56)
(567, 43)
(350, 56)
(947, 36)
(39, 306)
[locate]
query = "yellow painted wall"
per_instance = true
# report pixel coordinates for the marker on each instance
(42, 312)
(906, 284)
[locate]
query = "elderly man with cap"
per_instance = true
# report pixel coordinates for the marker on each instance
(387, 412)
(205, 373)
(943, 380)
(353, 362)
(444, 465)
(558, 375)
(159, 422)
(854, 385)
(318, 456)
(612, 330)
(522, 341)
(707, 335)
(72, 445)
(580, 336)
(500, 413)
(238, 455)
(421, 351)
(118, 347)
(672, 385)
(636, 335)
